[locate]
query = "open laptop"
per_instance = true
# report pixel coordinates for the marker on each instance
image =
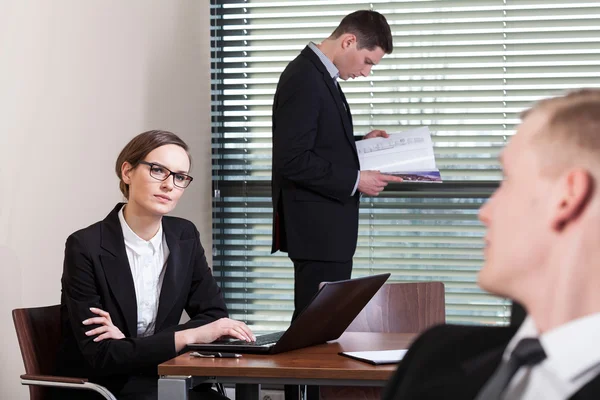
(325, 318)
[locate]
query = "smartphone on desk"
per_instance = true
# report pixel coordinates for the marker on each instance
(214, 354)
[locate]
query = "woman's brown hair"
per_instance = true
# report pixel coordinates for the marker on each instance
(139, 147)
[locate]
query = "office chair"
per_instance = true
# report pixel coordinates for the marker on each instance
(397, 308)
(38, 332)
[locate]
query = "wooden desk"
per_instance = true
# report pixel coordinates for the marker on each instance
(317, 365)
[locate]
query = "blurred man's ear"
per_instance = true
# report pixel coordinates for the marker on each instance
(575, 193)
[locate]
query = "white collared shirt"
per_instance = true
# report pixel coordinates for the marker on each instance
(572, 360)
(329, 65)
(147, 260)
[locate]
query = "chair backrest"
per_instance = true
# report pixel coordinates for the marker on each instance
(38, 331)
(395, 308)
(403, 308)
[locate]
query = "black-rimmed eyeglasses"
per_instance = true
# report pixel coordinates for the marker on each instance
(163, 173)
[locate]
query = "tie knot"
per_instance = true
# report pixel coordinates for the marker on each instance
(529, 351)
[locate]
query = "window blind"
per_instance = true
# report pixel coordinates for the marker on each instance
(464, 68)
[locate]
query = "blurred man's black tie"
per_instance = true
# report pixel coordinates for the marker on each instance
(528, 352)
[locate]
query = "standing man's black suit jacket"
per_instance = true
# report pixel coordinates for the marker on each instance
(97, 274)
(454, 362)
(315, 165)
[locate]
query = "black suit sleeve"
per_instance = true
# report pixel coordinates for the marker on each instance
(448, 362)
(295, 122)
(111, 356)
(205, 301)
(396, 388)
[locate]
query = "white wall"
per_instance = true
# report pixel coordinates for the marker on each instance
(78, 79)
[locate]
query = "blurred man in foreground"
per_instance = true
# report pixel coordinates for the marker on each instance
(542, 250)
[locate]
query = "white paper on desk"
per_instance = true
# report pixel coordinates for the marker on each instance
(408, 154)
(377, 357)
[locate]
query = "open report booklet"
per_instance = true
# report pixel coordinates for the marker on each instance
(407, 154)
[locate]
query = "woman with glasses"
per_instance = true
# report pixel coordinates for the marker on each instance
(127, 279)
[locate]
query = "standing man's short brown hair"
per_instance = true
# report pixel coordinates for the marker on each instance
(370, 28)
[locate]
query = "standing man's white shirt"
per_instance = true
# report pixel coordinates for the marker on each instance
(572, 360)
(147, 260)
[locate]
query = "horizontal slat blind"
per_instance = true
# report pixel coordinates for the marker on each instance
(464, 68)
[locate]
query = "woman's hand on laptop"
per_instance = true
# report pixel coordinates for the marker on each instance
(210, 332)
(227, 327)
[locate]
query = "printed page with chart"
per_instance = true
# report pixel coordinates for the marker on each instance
(407, 154)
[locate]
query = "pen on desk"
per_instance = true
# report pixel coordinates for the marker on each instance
(215, 354)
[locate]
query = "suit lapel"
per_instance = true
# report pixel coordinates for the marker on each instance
(336, 92)
(117, 270)
(589, 391)
(180, 252)
(481, 352)
(345, 103)
(342, 106)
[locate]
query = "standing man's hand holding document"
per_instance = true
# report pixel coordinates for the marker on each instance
(372, 182)
(408, 154)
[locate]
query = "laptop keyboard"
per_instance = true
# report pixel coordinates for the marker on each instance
(261, 340)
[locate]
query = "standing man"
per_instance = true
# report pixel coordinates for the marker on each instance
(316, 179)
(541, 249)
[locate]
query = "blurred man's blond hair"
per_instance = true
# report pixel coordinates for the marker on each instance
(570, 135)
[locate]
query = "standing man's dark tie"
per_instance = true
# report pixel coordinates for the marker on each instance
(339, 88)
(528, 352)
